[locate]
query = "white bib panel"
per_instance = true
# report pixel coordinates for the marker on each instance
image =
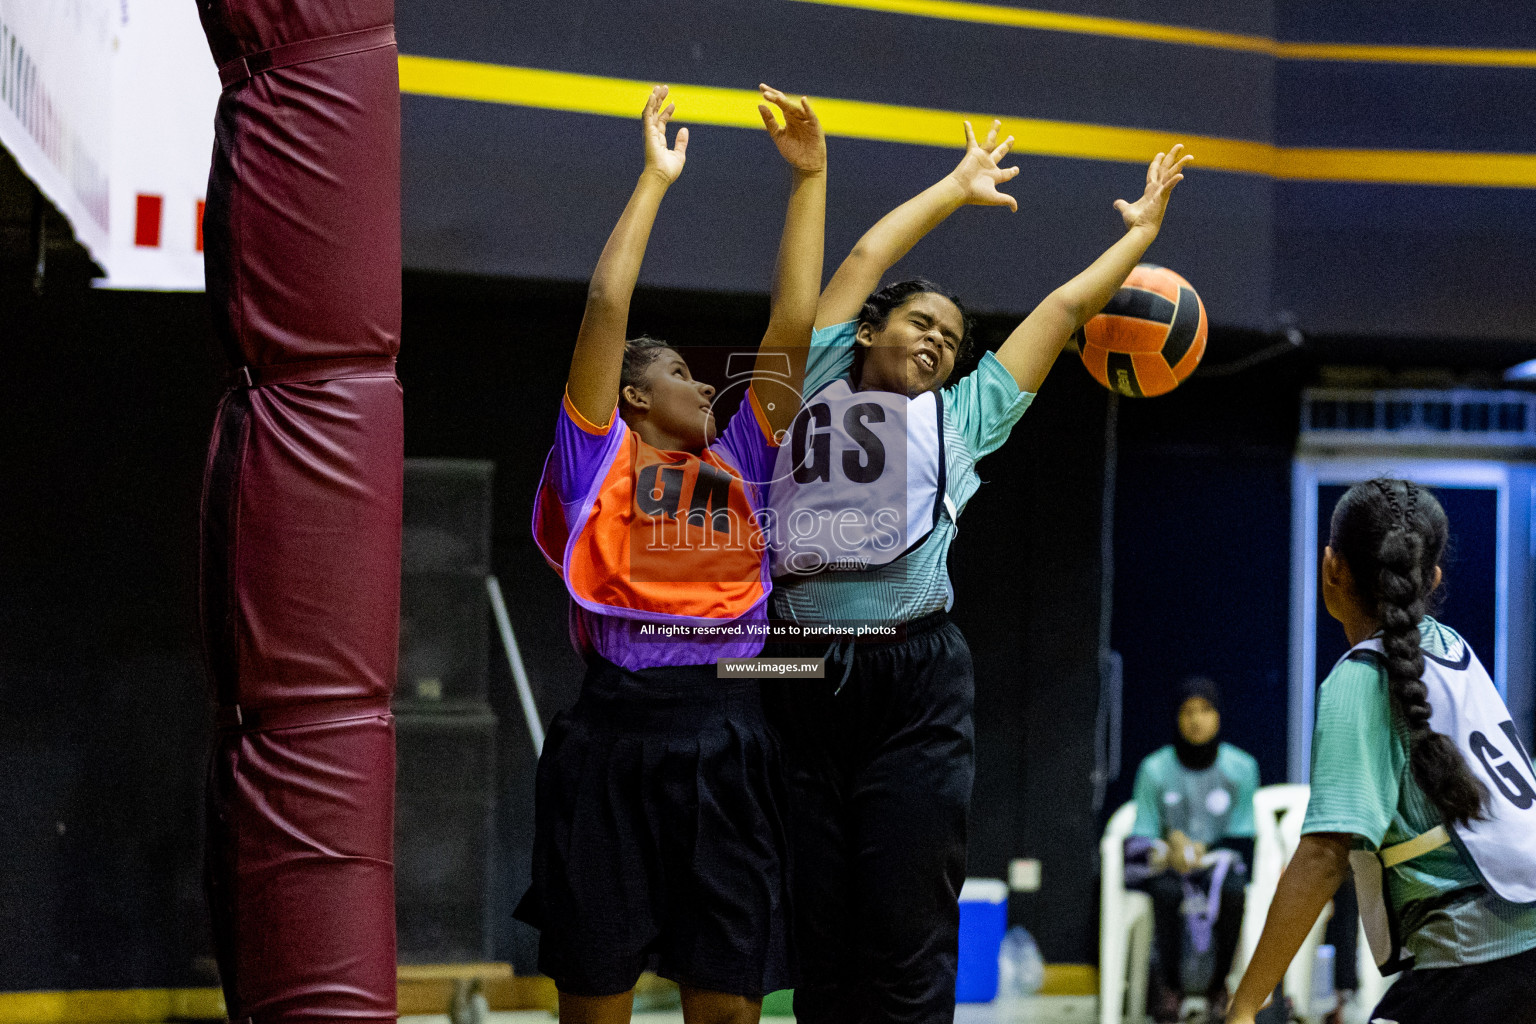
(859, 483)
(1501, 848)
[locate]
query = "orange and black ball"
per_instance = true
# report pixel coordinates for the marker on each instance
(1149, 338)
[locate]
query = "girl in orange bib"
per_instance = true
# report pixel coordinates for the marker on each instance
(659, 841)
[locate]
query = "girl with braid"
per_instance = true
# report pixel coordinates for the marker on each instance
(1419, 782)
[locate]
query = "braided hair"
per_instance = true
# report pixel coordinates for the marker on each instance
(1391, 534)
(880, 304)
(639, 354)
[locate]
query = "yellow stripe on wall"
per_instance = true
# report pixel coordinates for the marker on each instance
(737, 108)
(128, 1006)
(1465, 56)
(1055, 21)
(1409, 167)
(1121, 28)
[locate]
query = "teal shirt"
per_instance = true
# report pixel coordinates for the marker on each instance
(979, 412)
(1362, 786)
(1208, 806)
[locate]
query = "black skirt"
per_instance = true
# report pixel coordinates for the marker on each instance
(1501, 990)
(659, 837)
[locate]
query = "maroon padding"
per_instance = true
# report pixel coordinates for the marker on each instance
(301, 508)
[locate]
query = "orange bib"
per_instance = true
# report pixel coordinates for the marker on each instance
(660, 535)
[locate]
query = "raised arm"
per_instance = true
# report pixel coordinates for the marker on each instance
(975, 180)
(1032, 348)
(797, 277)
(593, 382)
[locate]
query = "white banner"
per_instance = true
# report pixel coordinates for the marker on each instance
(164, 91)
(55, 117)
(107, 105)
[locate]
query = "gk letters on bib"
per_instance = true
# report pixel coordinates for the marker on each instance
(1501, 847)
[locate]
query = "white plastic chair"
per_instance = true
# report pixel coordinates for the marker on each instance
(1278, 812)
(1278, 815)
(1125, 916)
(1125, 929)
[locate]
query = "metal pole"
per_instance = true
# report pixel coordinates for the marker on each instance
(1106, 745)
(515, 663)
(39, 240)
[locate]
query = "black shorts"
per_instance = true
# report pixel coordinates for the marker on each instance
(659, 839)
(1502, 990)
(879, 757)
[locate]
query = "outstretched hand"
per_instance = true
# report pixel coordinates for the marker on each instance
(800, 139)
(1164, 172)
(659, 158)
(978, 174)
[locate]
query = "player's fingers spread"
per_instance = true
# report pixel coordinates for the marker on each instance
(1002, 151)
(970, 136)
(1171, 171)
(1009, 173)
(768, 119)
(992, 133)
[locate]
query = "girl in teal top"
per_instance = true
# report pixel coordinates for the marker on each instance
(880, 755)
(1381, 776)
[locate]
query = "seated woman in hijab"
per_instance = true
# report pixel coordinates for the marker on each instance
(1190, 850)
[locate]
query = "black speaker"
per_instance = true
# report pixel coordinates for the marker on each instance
(447, 516)
(446, 733)
(444, 808)
(444, 642)
(444, 610)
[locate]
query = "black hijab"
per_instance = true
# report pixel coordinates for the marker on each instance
(1197, 756)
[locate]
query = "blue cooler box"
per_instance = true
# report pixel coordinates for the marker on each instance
(983, 919)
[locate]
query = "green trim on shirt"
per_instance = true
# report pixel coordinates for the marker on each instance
(980, 410)
(1362, 785)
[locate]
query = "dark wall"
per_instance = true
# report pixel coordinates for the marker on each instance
(1331, 258)
(1400, 260)
(479, 177)
(1026, 572)
(105, 403)
(518, 192)
(1490, 23)
(1202, 557)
